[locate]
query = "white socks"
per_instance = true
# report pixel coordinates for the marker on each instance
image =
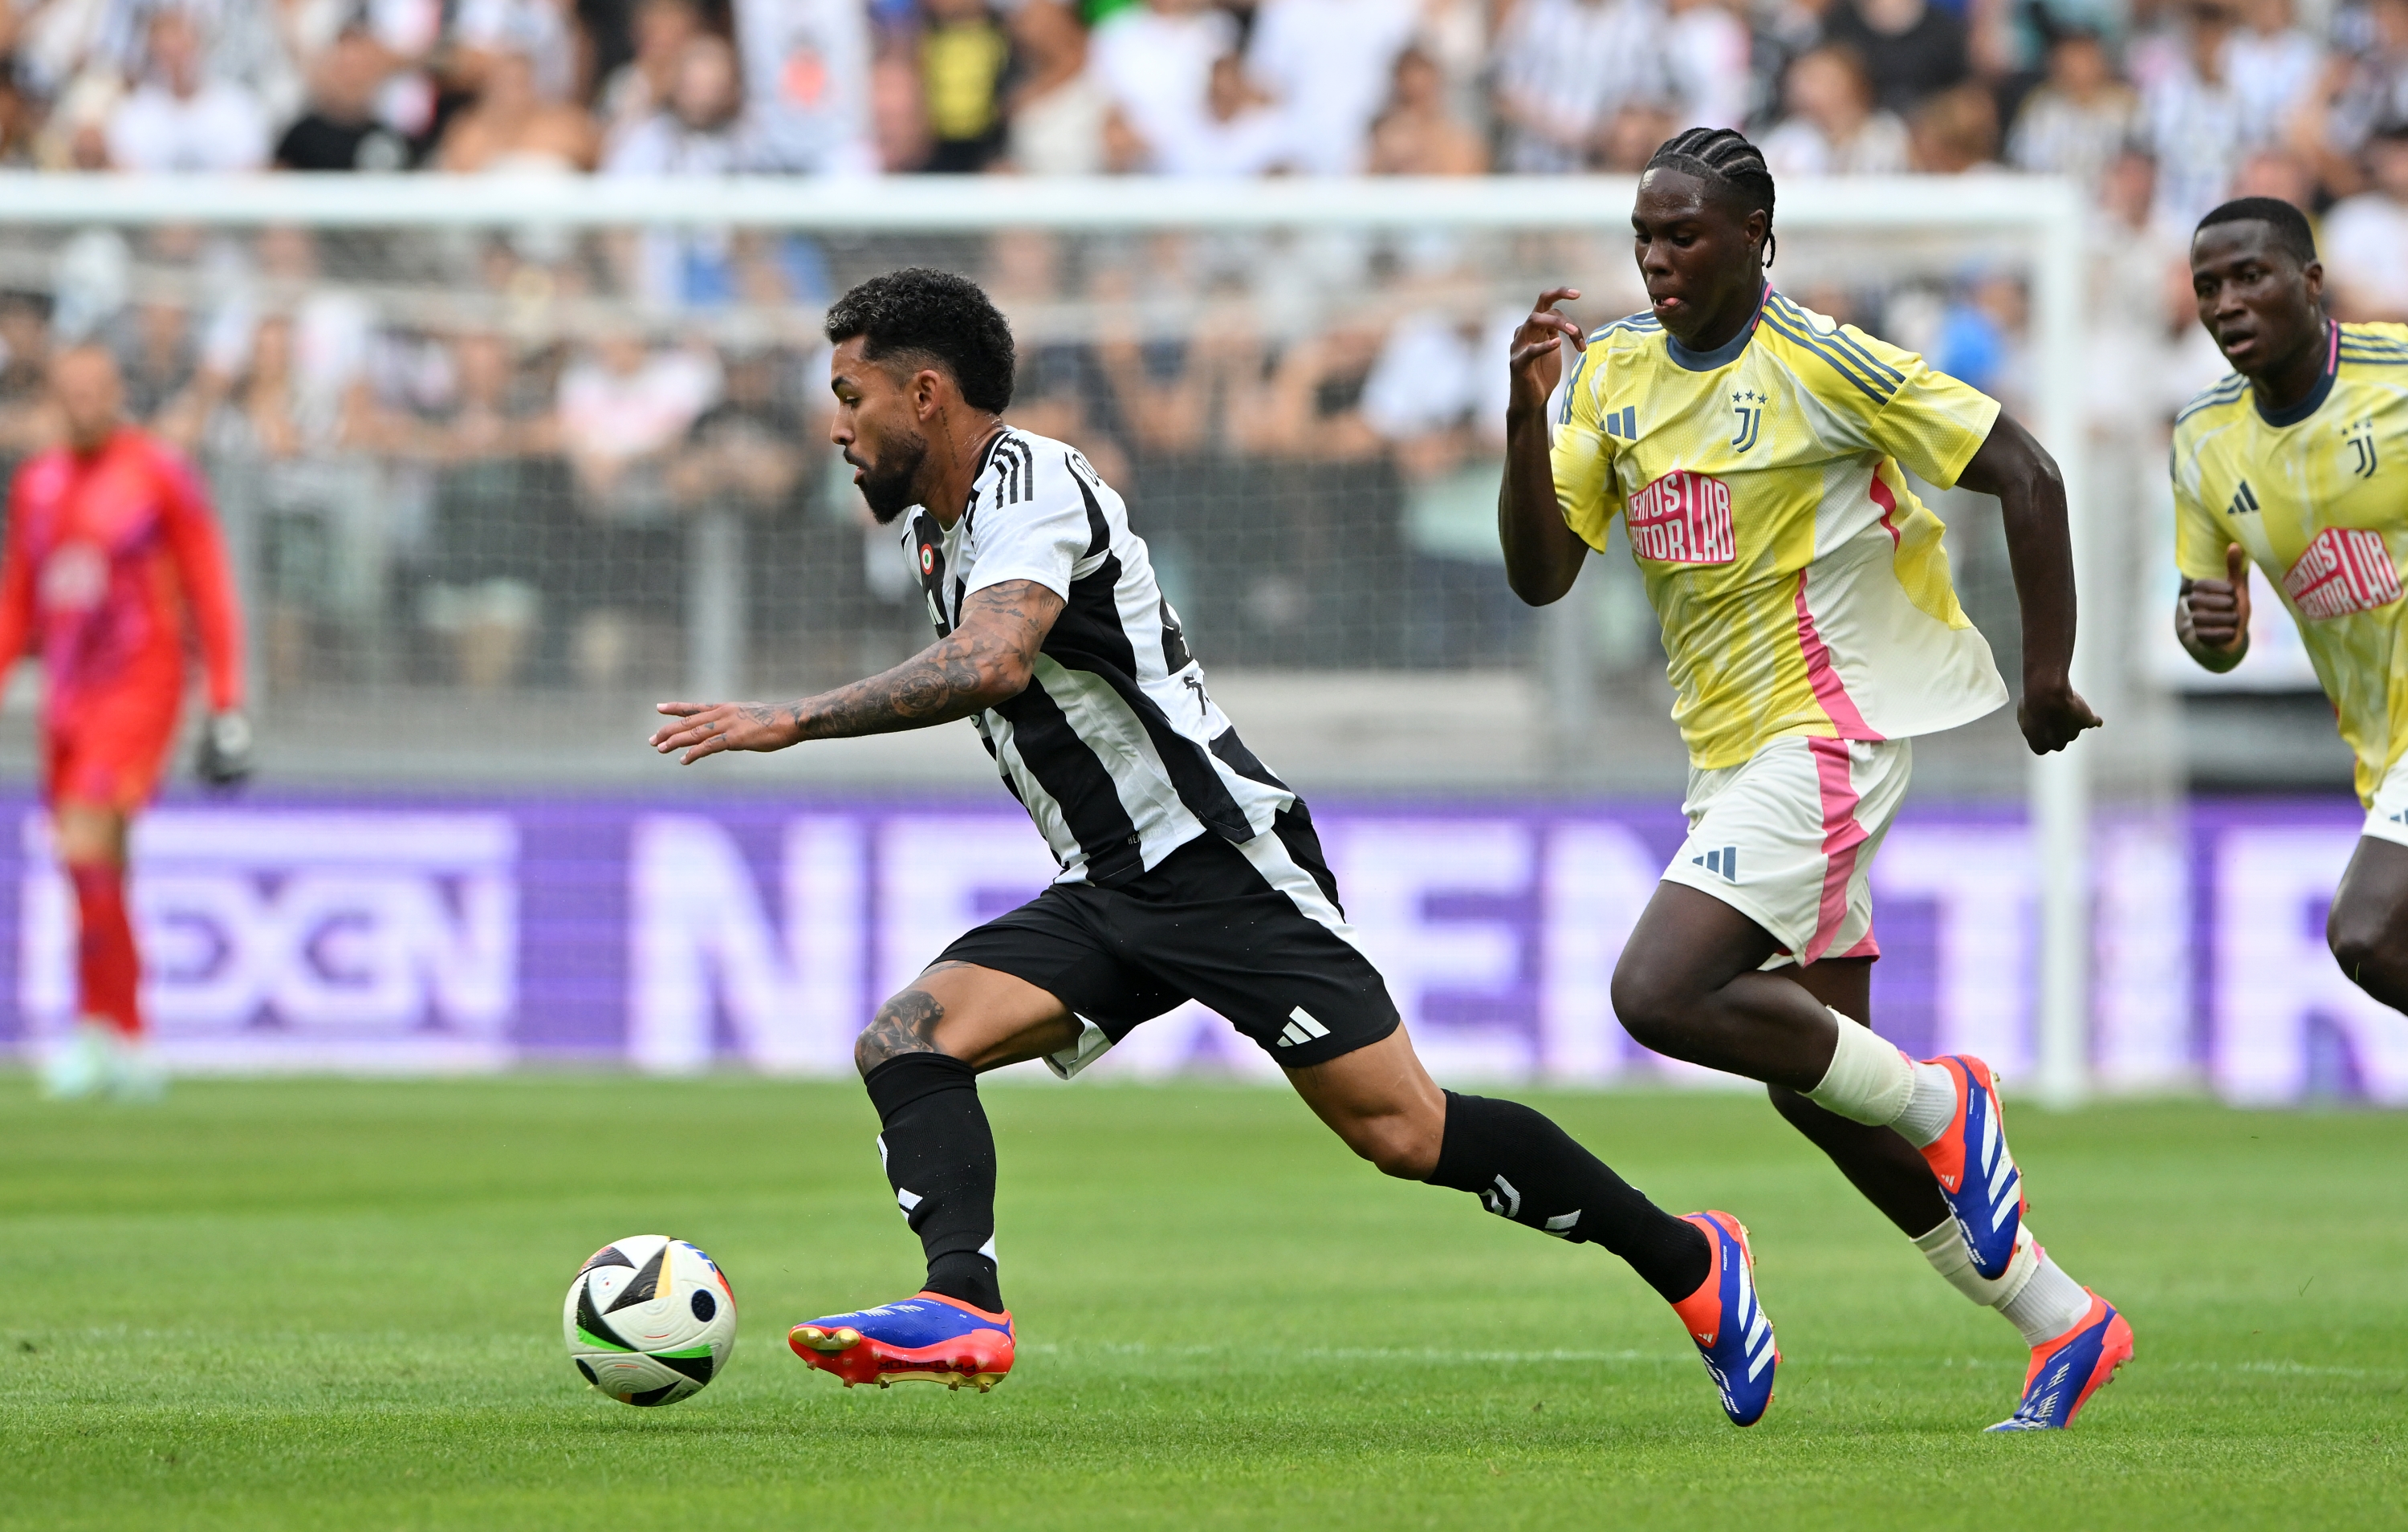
(2034, 1294)
(1869, 1081)
(1931, 1106)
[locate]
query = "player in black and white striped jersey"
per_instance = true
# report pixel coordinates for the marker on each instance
(1189, 870)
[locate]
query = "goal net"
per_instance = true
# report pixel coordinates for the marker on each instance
(504, 461)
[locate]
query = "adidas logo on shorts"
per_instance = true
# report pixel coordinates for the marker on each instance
(1301, 1027)
(1724, 861)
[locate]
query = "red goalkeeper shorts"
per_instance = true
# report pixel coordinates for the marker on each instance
(110, 748)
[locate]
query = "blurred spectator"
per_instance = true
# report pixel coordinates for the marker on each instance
(898, 114)
(1060, 388)
(1955, 132)
(963, 54)
(1058, 112)
(624, 411)
(622, 406)
(1313, 409)
(746, 453)
(807, 85)
(2365, 243)
(1416, 135)
(1981, 337)
(1911, 49)
(1833, 127)
(483, 32)
(1328, 62)
(2276, 70)
(21, 120)
(693, 135)
(1240, 132)
(2368, 89)
(27, 410)
(1708, 45)
(341, 130)
(2079, 118)
(2195, 119)
(694, 131)
(181, 118)
(485, 597)
(157, 358)
(1454, 34)
(2275, 172)
(514, 130)
(1565, 67)
(1631, 139)
(1155, 60)
(637, 89)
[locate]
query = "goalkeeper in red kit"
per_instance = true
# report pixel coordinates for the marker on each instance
(112, 560)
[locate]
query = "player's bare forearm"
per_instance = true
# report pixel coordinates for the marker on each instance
(1543, 555)
(985, 661)
(2014, 467)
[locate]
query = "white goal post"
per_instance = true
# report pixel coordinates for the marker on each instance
(2038, 223)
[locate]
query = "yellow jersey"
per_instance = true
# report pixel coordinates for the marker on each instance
(1802, 586)
(2315, 493)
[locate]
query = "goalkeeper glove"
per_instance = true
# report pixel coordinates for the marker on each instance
(224, 756)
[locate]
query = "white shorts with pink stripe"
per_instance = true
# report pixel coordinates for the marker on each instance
(1788, 839)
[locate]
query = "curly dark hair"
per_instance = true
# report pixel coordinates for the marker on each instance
(2289, 227)
(1725, 160)
(935, 319)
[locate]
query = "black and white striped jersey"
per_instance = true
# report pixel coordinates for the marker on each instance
(1116, 748)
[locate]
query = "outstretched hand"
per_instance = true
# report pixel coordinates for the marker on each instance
(1537, 362)
(706, 728)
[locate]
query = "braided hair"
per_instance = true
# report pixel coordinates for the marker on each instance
(1723, 159)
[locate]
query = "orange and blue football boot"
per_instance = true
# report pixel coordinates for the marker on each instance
(1976, 1174)
(1730, 1327)
(2068, 1369)
(928, 1337)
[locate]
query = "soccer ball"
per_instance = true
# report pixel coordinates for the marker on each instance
(650, 1320)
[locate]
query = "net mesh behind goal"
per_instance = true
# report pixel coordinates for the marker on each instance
(504, 448)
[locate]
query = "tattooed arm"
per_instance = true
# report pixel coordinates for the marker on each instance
(986, 660)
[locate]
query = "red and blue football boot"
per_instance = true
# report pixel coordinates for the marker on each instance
(928, 1337)
(1728, 1325)
(1976, 1174)
(2068, 1369)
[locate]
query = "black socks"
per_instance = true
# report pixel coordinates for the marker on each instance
(939, 1156)
(1524, 1167)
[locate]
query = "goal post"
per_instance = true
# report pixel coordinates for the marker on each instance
(1870, 230)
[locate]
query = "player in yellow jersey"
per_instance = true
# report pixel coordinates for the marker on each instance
(2293, 464)
(1756, 454)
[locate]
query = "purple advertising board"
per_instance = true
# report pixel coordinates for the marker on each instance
(423, 935)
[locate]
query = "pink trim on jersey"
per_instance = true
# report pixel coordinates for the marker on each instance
(1867, 947)
(1842, 835)
(1828, 689)
(1888, 503)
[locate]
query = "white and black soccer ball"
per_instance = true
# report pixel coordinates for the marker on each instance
(650, 1320)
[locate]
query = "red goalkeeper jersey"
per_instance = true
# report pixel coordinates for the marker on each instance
(112, 556)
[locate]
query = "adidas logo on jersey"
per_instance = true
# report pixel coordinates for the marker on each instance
(2244, 501)
(1723, 863)
(1301, 1027)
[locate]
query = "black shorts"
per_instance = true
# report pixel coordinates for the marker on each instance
(1253, 932)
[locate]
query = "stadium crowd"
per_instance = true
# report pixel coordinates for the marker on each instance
(2213, 93)
(482, 462)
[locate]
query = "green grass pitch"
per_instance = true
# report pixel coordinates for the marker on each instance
(336, 1305)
